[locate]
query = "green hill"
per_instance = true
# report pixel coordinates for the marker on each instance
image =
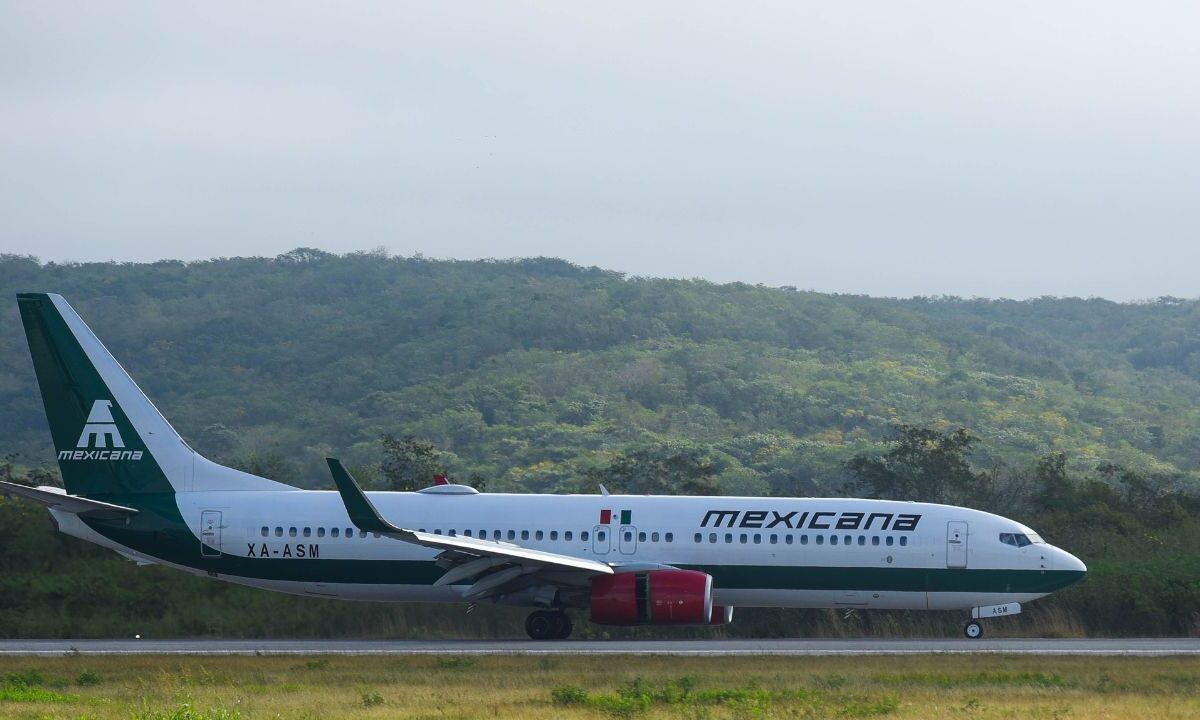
(540, 375)
(526, 369)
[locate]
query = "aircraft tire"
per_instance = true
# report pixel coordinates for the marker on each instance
(562, 626)
(973, 630)
(541, 625)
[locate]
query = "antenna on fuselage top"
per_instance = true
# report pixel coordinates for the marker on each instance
(604, 490)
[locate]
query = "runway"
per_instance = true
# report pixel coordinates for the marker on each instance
(1003, 646)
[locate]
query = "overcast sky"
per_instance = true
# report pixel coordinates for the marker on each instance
(893, 148)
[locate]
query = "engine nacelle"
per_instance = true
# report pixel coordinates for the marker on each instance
(653, 597)
(721, 615)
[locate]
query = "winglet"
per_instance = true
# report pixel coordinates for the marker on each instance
(362, 512)
(366, 517)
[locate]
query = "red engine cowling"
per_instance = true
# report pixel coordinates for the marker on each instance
(654, 597)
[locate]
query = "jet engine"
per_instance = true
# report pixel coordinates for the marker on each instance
(655, 597)
(721, 615)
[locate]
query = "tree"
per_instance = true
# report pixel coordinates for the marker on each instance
(32, 476)
(659, 471)
(923, 464)
(271, 465)
(1053, 488)
(410, 463)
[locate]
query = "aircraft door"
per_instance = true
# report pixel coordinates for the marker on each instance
(210, 534)
(601, 542)
(628, 539)
(956, 544)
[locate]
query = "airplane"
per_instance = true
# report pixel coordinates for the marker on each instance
(134, 486)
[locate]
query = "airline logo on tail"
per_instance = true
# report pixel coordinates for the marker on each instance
(100, 427)
(100, 431)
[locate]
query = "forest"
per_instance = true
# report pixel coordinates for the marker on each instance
(1075, 416)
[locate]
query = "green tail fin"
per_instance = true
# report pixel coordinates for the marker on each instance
(109, 438)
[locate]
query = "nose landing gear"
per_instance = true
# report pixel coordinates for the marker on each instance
(548, 625)
(973, 630)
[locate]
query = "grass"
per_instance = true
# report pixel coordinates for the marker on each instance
(927, 686)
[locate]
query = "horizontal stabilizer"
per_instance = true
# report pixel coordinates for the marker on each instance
(57, 499)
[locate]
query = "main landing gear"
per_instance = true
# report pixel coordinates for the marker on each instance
(548, 625)
(973, 630)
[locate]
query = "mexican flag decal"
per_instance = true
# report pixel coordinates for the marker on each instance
(606, 517)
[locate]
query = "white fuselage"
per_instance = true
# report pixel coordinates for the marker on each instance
(303, 542)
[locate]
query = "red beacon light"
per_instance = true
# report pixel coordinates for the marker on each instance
(440, 480)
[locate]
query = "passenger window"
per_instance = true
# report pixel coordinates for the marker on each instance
(833, 539)
(512, 534)
(728, 537)
(524, 534)
(787, 539)
(349, 532)
(862, 539)
(333, 532)
(320, 532)
(553, 534)
(874, 539)
(804, 539)
(774, 539)
(362, 533)
(375, 535)
(495, 534)
(670, 537)
(642, 537)
(903, 539)
(712, 537)
(567, 536)
(266, 531)
(307, 532)
(538, 535)
(889, 540)
(757, 539)
(743, 538)
(697, 537)
(583, 535)
(437, 531)
(653, 537)
(291, 532)
(467, 532)
(820, 539)
(846, 540)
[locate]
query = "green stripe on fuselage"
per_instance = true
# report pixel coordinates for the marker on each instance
(887, 579)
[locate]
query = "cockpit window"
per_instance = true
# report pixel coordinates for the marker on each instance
(1017, 539)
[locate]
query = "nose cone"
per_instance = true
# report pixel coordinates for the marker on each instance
(1071, 566)
(1067, 561)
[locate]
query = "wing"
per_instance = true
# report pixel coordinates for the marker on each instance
(495, 567)
(57, 499)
